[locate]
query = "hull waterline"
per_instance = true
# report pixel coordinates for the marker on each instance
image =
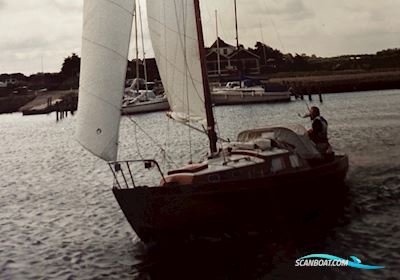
(145, 107)
(222, 98)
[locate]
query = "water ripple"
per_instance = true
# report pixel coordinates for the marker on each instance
(59, 219)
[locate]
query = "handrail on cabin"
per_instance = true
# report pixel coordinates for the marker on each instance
(117, 168)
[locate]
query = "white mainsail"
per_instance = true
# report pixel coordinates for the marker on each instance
(172, 25)
(106, 33)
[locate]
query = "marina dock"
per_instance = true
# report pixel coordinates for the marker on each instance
(52, 101)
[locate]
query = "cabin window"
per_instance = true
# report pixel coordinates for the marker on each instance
(214, 178)
(235, 173)
(294, 161)
(277, 164)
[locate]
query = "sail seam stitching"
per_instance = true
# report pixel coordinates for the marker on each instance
(103, 46)
(170, 29)
(182, 44)
(183, 72)
(118, 5)
(99, 98)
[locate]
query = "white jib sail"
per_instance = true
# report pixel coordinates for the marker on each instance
(106, 33)
(174, 37)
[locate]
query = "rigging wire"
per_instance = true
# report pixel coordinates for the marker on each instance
(188, 72)
(165, 83)
(220, 140)
(165, 161)
(184, 9)
(210, 17)
(273, 24)
(136, 44)
(144, 52)
(164, 152)
(137, 143)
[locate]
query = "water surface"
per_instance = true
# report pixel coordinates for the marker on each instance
(59, 219)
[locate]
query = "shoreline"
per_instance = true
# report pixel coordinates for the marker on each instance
(341, 82)
(301, 83)
(39, 103)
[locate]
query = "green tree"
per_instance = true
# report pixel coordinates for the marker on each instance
(270, 53)
(70, 72)
(71, 66)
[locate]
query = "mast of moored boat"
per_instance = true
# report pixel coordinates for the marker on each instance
(218, 54)
(237, 39)
(236, 27)
(136, 46)
(212, 136)
(143, 50)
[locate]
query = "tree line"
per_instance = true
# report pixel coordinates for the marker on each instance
(271, 61)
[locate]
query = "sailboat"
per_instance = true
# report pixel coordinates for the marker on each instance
(271, 175)
(240, 92)
(246, 90)
(140, 97)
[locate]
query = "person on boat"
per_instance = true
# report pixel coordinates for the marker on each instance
(318, 132)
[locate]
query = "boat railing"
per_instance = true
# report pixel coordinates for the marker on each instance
(124, 173)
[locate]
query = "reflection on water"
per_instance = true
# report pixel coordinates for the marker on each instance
(251, 255)
(60, 220)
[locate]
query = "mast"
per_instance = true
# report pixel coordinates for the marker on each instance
(144, 53)
(237, 40)
(263, 43)
(236, 27)
(218, 54)
(212, 136)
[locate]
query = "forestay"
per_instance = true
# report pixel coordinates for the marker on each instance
(107, 27)
(174, 37)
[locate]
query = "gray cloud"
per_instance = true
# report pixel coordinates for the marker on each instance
(66, 6)
(289, 9)
(52, 28)
(30, 43)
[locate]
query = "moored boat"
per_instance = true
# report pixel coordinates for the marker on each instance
(247, 91)
(248, 95)
(151, 105)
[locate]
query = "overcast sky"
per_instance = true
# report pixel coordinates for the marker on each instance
(44, 32)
